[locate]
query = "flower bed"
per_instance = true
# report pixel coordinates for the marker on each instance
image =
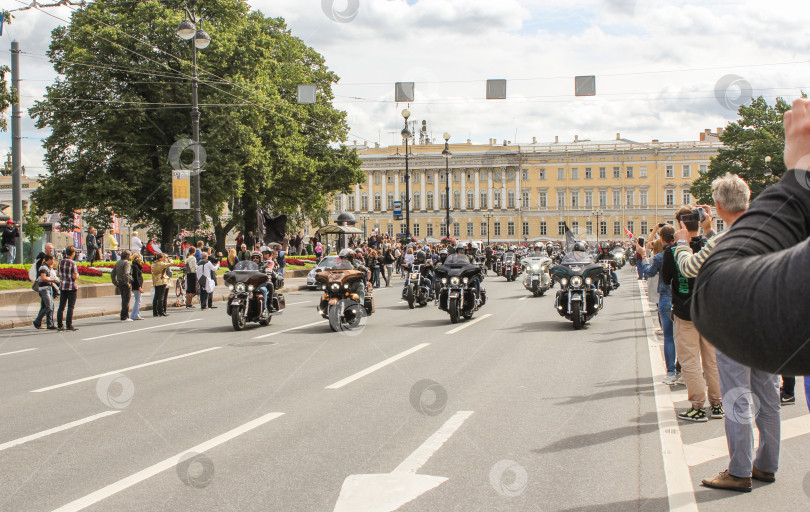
(84, 271)
(14, 274)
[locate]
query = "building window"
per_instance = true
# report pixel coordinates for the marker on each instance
(429, 229)
(687, 197)
(642, 198)
(603, 227)
(561, 228)
(510, 199)
(629, 198)
(470, 175)
(429, 178)
(351, 203)
(588, 173)
(338, 204)
(629, 172)
(442, 200)
(364, 201)
(402, 198)
(575, 227)
(484, 200)
(524, 203)
(704, 168)
(483, 175)
(617, 228)
(510, 228)
(669, 171)
(525, 228)
(442, 176)
(617, 172)
(542, 174)
(456, 176)
(524, 174)
(560, 200)
(377, 201)
(430, 200)
(496, 201)
(496, 175)
(575, 199)
(561, 173)
(574, 173)
(602, 173)
(497, 226)
(456, 229)
(670, 195)
(443, 229)
(389, 228)
(631, 226)
(389, 178)
(687, 171)
(390, 201)
(470, 229)
(402, 177)
(470, 199)
(721, 225)
(417, 201)
(457, 199)
(542, 201)
(543, 228)
(483, 229)
(602, 198)
(510, 175)
(643, 228)
(377, 178)
(415, 177)
(588, 199)
(642, 172)
(416, 229)
(617, 198)
(588, 227)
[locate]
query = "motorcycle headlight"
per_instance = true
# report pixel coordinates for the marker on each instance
(454, 280)
(251, 288)
(588, 281)
(563, 281)
(576, 281)
(466, 280)
(414, 276)
(535, 267)
(444, 280)
(335, 287)
(346, 286)
(240, 287)
(230, 287)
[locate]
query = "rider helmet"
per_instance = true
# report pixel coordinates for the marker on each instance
(580, 247)
(442, 251)
(420, 255)
(255, 255)
(461, 247)
(512, 248)
(264, 249)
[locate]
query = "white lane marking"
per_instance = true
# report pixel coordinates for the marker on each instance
(142, 329)
(66, 426)
(467, 324)
(169, 463)
(17, 351)
(302, 302)
(717, 448)
(680, 490)
(372, 369)
(122, 370)
(288, 330)
(422, 454)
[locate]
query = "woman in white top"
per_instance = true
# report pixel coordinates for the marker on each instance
(205, 277)
(407, 260)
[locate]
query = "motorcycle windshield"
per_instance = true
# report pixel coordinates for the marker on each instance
(509, 258)
(577, 258)
(246, 265)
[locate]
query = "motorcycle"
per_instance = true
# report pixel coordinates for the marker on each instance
(618, 257)
(578, 299)
(341, 302)
(245, 302)
(605, 280)
(537, 277)
(497, 261)
(509, 267)
(417, 291)
(456, 295)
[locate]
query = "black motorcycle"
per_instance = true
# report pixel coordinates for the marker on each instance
(578, 299)
(246, 302)
(606, 284)
(457, 292)
(417, 290)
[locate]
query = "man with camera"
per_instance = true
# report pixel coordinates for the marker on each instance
(10, 235)
(695, 353)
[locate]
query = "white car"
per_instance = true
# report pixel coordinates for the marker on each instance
(326, 263)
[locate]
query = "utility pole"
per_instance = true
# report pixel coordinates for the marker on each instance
(16, 149)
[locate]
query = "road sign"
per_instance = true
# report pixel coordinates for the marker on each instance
(585, 85)
(181, 190)
(397, 208)
(403, 91)
(496, 89)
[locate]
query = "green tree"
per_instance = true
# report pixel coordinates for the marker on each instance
(757, 134)
(123, 99)
(31, 228)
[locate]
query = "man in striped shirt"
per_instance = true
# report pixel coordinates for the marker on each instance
(68, 273)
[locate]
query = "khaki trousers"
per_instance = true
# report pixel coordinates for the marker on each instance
(698, 364)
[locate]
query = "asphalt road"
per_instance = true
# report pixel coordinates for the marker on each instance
(514, 411)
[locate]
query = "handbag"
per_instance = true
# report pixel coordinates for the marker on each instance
(35, 286)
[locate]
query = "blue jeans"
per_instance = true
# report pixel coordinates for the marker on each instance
(664, 316)
(614, 276)
(640, 269)
(12, 251)
(136, 308)
(739, 383)
(375, 277)
(46, 309)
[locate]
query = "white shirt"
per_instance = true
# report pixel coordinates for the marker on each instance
(137, 245)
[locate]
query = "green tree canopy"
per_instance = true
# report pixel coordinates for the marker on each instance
(122, 99)
(758, 133)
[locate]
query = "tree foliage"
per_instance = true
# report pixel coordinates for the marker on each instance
(758, 133)
(122, 99)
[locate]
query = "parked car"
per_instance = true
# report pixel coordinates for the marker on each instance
(327, 262)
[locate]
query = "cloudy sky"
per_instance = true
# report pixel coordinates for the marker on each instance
(665, 69)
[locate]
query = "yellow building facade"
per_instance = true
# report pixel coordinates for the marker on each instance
(525, 192)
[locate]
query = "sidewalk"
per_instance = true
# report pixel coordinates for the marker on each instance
(22, 315)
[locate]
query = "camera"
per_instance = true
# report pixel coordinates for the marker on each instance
(641, 242)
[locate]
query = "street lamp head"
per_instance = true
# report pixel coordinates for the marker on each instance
(446, 136)
(406, 113)
(186, 30)
(202, 39)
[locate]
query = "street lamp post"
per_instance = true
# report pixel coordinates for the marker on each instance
(447, 154)
(199, 39)
(364, 218)
(488, 216)
(406, 134)
(598, 214)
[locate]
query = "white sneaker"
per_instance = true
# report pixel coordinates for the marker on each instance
(679, 381)
(127, 320)
(669, 380)
(138, 318)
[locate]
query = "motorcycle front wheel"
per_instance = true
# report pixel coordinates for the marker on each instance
(452, 308)
(237, 319)
(410, 298)
(576, 315)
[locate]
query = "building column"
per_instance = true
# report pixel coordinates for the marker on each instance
(489, 188)
(463, 204)
(477, 198)
(397, 177)
(422, 197)
(371, 191)
(437, 204)
(357, 197)
(383, 193)
(504, 204)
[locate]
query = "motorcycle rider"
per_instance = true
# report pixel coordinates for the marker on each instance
(442, 256)
(267, 265)
(346, 261)
(460, 257)
(604, 255)
(427, 271)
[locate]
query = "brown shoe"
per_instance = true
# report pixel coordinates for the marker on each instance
(728, 482)
(763, 476)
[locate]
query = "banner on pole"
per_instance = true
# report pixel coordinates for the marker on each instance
(115, 224)
(181, 189)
